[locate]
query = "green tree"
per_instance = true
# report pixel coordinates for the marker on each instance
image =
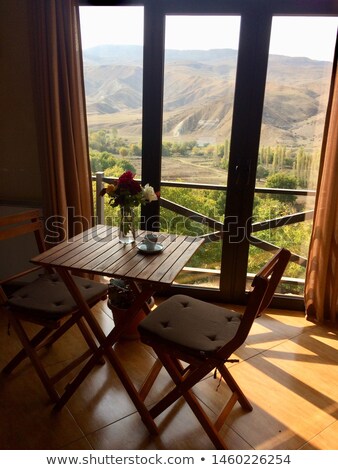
(126, 165)
(261, 172)
(282, 181)
(101, 161)
(166, 149)
(123, 151)
(135, 150)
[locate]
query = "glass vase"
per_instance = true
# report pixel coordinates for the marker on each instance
(127, 225)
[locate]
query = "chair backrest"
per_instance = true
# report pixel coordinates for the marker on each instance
(16, 225)
(264, 286)
(273, 272)
(24, 222)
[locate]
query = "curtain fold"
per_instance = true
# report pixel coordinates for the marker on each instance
(321, 284)
(61, 117)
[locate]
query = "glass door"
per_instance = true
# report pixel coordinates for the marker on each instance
(208, 103)
(262, 149)
(295, 102)
(199, 82)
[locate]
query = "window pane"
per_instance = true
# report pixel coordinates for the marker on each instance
(112, 41)
(199, 80)
(202, 215)
(298, 81)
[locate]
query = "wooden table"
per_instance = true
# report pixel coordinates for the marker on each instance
(98, 251)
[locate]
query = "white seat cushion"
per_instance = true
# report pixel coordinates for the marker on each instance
(191, 323)
(48, 294)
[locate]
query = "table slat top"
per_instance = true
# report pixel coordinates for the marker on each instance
(98, 251)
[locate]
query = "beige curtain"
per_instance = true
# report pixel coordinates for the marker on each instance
(321, 287)
(61, 117)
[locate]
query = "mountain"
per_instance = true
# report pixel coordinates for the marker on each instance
(198, 94)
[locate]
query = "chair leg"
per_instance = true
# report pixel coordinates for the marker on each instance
(225, 411)
(46, 337)
(234, 387)
(152, 376)
(206, 423)
(59, 331)
(184, 380)
(128, 385)
(150, 379)
(67, 369)
(237, 396)
(21, 355)
(31, 353)
(182, 389)
(187, 381)
(88, 338)
(74, 319)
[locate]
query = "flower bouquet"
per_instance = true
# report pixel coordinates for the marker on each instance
(127, 194)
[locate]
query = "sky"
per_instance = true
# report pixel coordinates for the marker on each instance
(292, 36)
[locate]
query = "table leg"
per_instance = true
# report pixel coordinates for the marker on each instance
(105, 348)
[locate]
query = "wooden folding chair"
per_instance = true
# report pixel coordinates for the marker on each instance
(204, 336)
(44, 301)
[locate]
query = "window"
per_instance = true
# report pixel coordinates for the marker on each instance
(212, 125)
(199, 85)
(296, 96)
(112, 41)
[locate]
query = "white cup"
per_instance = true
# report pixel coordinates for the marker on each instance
(150, 241)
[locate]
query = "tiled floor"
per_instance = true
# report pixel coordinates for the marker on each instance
(288, 370)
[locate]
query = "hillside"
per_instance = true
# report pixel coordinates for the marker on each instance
(198, 94)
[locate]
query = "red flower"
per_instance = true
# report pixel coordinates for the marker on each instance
(126, 182)
(126, 192)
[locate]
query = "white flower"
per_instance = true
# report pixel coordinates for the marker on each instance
(149, 193)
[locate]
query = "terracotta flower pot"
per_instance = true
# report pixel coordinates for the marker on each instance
(131, 333)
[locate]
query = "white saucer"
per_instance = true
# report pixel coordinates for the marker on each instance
(157, 248)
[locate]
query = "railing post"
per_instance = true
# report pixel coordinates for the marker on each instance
(99, 200)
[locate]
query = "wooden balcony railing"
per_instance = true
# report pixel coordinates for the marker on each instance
(216, 225)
